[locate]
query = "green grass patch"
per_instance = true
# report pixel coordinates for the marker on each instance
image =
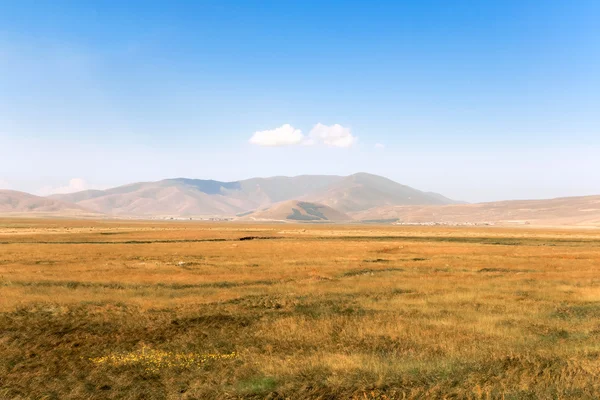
(258, 385)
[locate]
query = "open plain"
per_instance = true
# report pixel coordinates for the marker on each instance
(188, 310)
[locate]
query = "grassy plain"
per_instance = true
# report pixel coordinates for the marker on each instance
(153, 310)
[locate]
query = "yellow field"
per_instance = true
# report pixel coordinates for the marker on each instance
(185, 310)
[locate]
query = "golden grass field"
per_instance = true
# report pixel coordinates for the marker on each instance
(187, 310)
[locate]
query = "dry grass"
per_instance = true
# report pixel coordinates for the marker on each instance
(190, 311)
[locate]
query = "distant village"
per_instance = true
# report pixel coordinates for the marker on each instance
(216, 219)
(397, 223)
(444, 223)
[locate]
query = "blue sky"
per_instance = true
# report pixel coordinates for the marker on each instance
(478, 100)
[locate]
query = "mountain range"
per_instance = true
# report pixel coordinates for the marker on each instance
(307, 198)
(193, 197)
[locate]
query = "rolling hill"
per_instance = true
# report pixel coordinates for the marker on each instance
(195, 197)
(316, 198)
(364, 191)
(297, 211)
(18, 203)
(573, 211)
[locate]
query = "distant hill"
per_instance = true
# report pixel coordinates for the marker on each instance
(195, 197)
(364, 191)
(164, 198)
(317, 198)
(297, 211)
(14, 202)
(574, 211)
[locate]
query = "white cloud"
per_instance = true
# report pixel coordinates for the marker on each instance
(75, 185)
(333, 135)
(3, 184)
(379, 146)
(285, 135)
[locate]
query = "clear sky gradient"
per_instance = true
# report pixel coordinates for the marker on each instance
(477, 100)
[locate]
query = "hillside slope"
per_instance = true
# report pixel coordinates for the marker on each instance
(365, 191)
(14, 202)
(298, 211)
(580, 211)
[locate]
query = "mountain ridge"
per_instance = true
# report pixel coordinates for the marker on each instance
(361, 197)
(15, 202)
(197, 197)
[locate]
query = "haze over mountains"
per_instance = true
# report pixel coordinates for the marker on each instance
(193, 197)
(14, 202)
(306, 198)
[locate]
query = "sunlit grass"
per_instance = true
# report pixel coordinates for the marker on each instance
(159, 310)
(153, 360)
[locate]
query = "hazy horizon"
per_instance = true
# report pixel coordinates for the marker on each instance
(477, 102)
